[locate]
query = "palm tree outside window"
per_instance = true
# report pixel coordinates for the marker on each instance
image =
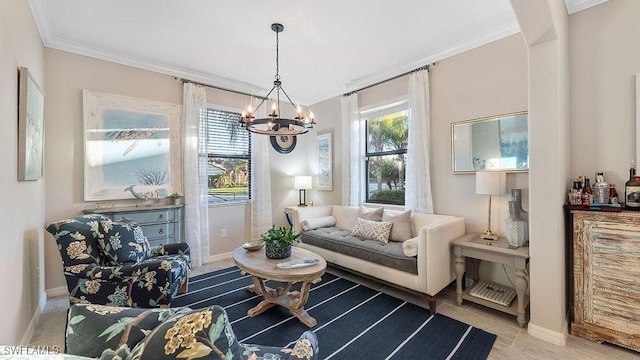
(385, 156)
(229, 157)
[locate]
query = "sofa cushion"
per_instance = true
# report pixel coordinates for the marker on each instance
(401, 229)
(77, 239)
(373, 230)
(341, 241)
(370, 213)
(123, 243)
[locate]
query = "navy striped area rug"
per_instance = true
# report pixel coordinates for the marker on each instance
(354, 322)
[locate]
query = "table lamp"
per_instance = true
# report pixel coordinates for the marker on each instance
(302, 183)
(490, 183)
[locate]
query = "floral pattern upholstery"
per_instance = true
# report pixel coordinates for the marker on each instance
(99, 271)
(176, 333)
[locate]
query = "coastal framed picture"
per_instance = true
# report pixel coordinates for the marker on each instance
(30, 127)
(131, 146)
(325, 161)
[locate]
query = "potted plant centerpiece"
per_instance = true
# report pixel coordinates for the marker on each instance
(174, 198)
(278, 242)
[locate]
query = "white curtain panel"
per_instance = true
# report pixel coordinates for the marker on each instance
(353, 159)
(195, 172)
(261, 218)
(418, 194)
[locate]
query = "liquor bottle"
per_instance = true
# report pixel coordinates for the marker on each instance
(632, 191)
(613, 194)
(586, 192)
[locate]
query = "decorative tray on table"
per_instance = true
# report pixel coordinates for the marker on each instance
(597, 207)
(296, 264)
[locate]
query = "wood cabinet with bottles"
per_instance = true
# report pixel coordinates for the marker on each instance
(606, 277)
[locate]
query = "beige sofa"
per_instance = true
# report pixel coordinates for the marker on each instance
(431, 234)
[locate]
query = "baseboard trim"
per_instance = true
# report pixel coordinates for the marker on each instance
(219, 257)
(57, 291)
(554, 337)
(31, 328)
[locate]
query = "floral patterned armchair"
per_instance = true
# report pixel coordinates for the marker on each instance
(111, 263)
(177, 333)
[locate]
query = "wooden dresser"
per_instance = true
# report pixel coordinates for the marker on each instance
(606, 277)
(162, 224)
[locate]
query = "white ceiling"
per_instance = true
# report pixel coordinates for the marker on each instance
(328, 47)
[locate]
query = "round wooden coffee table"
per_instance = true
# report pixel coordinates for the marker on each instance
(261, 268)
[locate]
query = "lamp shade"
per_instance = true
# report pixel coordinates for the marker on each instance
(302, 182)
(491, 182)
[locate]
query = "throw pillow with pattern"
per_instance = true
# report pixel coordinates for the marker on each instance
(374, 230)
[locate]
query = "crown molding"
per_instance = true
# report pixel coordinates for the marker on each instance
(573, 6)
(41, 18)
(444, 52)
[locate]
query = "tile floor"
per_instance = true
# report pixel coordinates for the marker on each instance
(512, 342)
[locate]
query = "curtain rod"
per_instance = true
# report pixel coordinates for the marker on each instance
(425, 67)
(221, 88)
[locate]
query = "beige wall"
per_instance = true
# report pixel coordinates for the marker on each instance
(603, 60)
(22, 210)
(68, 74)
(488, 80)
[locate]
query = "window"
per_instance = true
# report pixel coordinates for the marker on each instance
(229, 153)
(387, 137)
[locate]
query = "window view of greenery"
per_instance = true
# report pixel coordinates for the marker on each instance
(387, 139)
(229, 157)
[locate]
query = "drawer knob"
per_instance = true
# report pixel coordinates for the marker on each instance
(160, 216)
(161, 231)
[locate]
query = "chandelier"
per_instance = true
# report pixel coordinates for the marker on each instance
(274, 124)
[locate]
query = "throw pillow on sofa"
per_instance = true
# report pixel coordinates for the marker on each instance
(401, 229)
(370, 214)
(316, 223)
(123, 243)
(373, 230)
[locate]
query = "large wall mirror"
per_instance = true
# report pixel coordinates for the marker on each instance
(498, 142)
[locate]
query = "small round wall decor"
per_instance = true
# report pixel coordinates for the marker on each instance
(283, 144)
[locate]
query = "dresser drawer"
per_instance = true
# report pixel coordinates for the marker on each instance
(161, 224)
(148, 216)
(162, 241)
(158, 230)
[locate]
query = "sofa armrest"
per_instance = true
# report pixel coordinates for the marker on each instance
(310, 212)
(435, 256)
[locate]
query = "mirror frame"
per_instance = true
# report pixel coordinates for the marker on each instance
(483, 119)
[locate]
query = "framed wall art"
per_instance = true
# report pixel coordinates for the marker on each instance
(325, 161)
(132, 147)
(30, 127)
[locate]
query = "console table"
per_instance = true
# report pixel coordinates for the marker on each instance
(500, 252)
(161, 224)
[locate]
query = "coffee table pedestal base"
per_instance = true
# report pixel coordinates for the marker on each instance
(292, 300)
